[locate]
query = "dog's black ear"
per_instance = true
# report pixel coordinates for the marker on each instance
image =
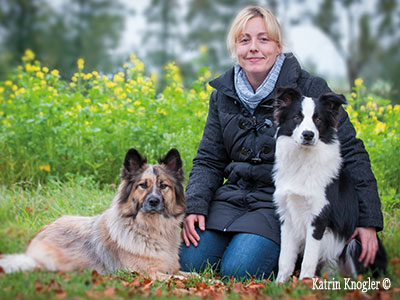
(332, 101)
(133, 161)
(172, 161)
(285, 96)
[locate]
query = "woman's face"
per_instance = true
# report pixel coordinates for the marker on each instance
(256, 53)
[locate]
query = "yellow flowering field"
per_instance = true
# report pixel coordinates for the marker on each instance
(54, 129)
(377, 124)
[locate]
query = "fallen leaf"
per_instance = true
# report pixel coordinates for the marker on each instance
(158, 291)
(238, 288)
(307, 281)
(309, 296)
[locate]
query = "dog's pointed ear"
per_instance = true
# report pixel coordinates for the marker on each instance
(285, 96)
(172, 161)
(133, 161)
(332, 101)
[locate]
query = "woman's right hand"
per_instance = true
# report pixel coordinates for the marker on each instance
(189, 233)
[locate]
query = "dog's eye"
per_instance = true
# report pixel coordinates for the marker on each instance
(297, 118)
(143, 185)
(163, 186)
(317, 120)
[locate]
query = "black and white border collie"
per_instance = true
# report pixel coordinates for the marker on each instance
(315, 199)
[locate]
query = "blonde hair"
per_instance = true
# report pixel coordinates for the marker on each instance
(239, 23)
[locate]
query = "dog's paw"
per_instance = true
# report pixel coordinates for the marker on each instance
(282, 277)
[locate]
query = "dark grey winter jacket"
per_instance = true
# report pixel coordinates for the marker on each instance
(240, 147)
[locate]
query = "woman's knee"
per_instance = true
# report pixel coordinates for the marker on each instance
(208, 253)
(250, 255)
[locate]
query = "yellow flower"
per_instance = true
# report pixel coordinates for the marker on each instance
(29, 55)
(78, 107)
(28, 67)
(87, 100)
(40, 74)
(88, 76)
(118, 78)
(136, 103)
(118, 90)
(129, 109)
(45, 69)
(81, 63)
(14, 88)
(132, 57)
(110, 84)
(74, 78)
(8, 82)
(354, 95)
(72, 84)
(45, 168)
(144, 89)
(1, 89)
(358, 82)
(203, 49)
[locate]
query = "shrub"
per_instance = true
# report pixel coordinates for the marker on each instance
(377, 124)
(52, 129)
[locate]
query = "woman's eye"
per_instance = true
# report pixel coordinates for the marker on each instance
(264, 39)
(244, 40)
(143, 185)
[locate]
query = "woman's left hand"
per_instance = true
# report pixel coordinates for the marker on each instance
(369, 244)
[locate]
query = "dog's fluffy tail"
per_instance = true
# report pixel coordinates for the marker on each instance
(11, 263)
(350, 265)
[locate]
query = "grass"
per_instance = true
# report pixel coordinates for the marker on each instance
(24, 209)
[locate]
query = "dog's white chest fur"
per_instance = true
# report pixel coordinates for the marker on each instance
(301, 174)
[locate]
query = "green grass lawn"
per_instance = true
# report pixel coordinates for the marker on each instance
(23, 211)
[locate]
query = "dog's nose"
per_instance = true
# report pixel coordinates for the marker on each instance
(308, 135)
(154, 201)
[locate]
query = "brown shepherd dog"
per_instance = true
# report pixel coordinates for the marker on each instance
(138, 232)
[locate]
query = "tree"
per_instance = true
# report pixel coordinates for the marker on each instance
(87, 29)
(162, 35)
(78, 28)
(370, 32)
(22, 23)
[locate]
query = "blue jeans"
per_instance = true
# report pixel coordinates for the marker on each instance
(241, 255)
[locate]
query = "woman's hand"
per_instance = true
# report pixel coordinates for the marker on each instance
(189, 233)
(369, 244)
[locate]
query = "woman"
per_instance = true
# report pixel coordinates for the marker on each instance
(232, 225)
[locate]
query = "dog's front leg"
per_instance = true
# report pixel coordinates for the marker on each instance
(289, 252)
(311, 254)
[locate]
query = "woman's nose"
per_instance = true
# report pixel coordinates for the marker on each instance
(253, 46)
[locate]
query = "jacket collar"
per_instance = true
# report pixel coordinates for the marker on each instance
(288, 77)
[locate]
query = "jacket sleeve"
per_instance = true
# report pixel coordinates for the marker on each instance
(208, 165)
(357, 165)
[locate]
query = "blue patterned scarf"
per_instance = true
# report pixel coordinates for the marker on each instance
(246, 93)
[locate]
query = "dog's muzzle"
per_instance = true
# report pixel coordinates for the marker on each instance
(153, 204)
(307, 138)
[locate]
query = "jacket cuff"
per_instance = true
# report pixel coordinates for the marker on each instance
(370, 223)
(197, 211)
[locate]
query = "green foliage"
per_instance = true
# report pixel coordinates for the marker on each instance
(51, 129)
(60, 33)
(377, 124)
